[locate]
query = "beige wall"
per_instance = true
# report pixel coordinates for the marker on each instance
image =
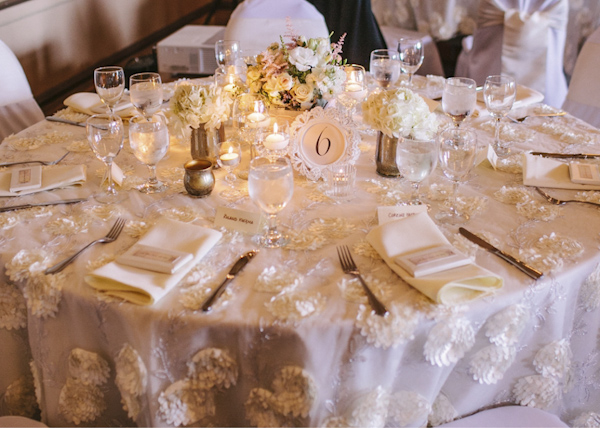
(56, 39)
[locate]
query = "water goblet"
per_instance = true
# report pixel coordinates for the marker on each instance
(149, 140)
(458, 148)
(105, 134)
(145, 90)
(459, 98)
(354, 88)
(411, 56)
(416, 158)
(228, 157)
(499, 93)
(271, 186)
(384, 66)
(227, 52)
(110, 84)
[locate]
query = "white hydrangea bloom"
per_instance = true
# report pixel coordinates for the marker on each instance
(554, 359)
(408, 408)
(536, 391)
(80, 402)
(505, 327)
(183, 404)
(390, 330)
(131, 379)
(212, 368)
(442, 411)
(448, 341)
(88, 367)
(489, 364)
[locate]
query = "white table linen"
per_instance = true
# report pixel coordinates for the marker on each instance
(292, 340)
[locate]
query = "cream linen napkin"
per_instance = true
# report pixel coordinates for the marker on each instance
(53, 177)
(454, 286)
(525, 96)
(145, 287)
(90, 103)
(544, 172)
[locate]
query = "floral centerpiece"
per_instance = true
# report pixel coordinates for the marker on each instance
(300, 74)
(399, 113)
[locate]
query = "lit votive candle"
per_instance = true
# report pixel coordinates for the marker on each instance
(257, 120)
(276, 141)
(230, 159)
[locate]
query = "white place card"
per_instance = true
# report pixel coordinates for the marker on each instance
(117, 174)
(397, 212)
(26, 178)
(584, 173)
(243, 221)
(432, 260)
(492, 157)
(154, 258)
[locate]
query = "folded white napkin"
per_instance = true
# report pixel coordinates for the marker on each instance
(146, 287)
(53, 177)
(544, 172)
(454, 286)
(90, 103)
(525, 96)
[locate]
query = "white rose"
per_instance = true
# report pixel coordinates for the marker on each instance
(303, 58)
(285, 82)
(302, 93)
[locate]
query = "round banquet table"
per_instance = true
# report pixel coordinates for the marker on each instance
(292, 342)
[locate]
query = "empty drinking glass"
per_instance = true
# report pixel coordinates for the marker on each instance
(411, 56)
(110, 84)
(227, 52)
(499, 93)
(385, 67)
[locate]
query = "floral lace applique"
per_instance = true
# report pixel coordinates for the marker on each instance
(136, 229)
(389, 191)
(64, 226)
(102, 260)
(275, 280)
(534, 210)
(79, 146)
(589, 294)
(363, 248)
(550, 252)
(566, 133)
(505, 327)
(131, 379)
(489, 364)
(13, 308)
(192, 399)
(294, 392)
(536, 391)
(19, 398)
(319, 233)
(468, 205)
(353, 291)
(442, 411)
(371, 409)
(104, 211)
(295, 306)
(554, 359)
(513, 195)
(8, 221)
(71, 114)
(32, 143)
(448, 341)
(185, 214)
(393, 329)
(588, 196)
(408, 408)
(587, 420)
(81, 399)
(37, 383)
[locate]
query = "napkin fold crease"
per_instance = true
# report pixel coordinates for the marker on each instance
(453, 286)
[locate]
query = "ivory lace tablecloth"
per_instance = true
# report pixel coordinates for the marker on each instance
(292, 342)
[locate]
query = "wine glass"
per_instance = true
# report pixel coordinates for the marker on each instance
(499, 93)
(227, 52)
(228, 157)
(105, 136)
(411, 56)
(145, 90)
(459, 98)
(271, 186)
(149, 140)
(458, 148)
(416, 158)
(354, 88)
(384, 66)
(110, 84)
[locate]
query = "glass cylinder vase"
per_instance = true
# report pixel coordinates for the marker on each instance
(385, 155)
(204, 144)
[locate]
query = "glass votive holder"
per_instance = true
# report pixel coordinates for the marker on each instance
(275, 138)
(340, 181)
(199, 179)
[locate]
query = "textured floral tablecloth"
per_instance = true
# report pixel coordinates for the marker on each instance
(292, 342)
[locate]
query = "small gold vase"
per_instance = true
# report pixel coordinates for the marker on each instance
(205, 144)
(385, 155)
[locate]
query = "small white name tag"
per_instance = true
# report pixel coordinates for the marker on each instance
(117, 174)
(242, 221)
(26, 178)
(387, 214)
(492, 157)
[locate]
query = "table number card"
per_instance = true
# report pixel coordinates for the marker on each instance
(322, 137)
(243, 221)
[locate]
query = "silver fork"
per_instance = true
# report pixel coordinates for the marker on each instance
(521, 119)
(54, 162)
(349, 267)
(111, 236)
(556, 201)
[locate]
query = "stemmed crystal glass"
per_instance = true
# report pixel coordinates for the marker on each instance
(459, 98)
(110, 84)
(250, 115)
(227, 52)
(354, 88)
(384, 66)
(105, 134)
(271, 186)
(458, 148)
(411, 56)
(416, 158)
(149, 140)
(228, 157)
(146, 92)
(499, 93)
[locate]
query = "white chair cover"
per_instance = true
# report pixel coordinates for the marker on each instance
(18, 108)
(522, 38)
(432, 63)
(509, 416)
(259, 23)
(583, 98)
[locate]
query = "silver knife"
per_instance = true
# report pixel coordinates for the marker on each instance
(235, 269)
(40, 204)
(566, 155)
(523, 267)
(61, 120)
